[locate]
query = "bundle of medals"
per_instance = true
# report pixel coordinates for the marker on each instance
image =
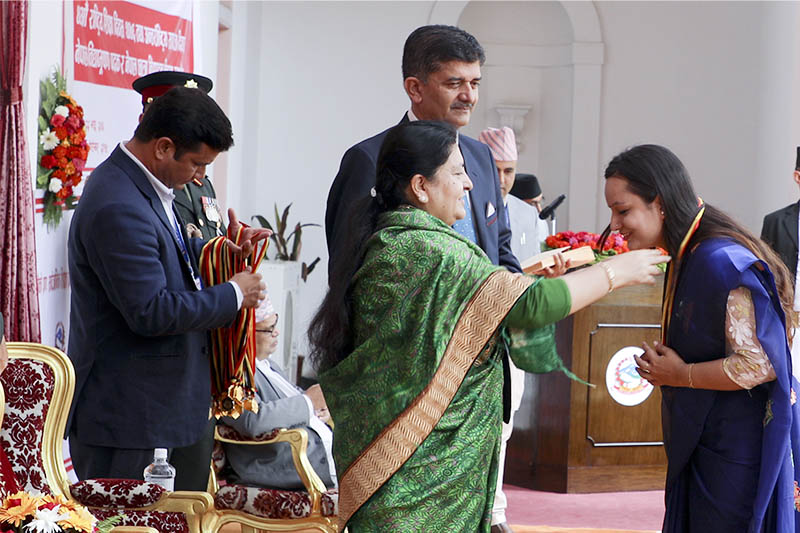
(233, 348)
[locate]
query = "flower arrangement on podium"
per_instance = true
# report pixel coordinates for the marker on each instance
(614, 245)
(62, 148)
(25, 513)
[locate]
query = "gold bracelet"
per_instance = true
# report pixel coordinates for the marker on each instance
(609, 274)
(691, 385)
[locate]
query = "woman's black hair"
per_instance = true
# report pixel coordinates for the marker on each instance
(410, 148)
(653, 171)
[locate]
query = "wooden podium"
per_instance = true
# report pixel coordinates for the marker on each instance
(572, 438)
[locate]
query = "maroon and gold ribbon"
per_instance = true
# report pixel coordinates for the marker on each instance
(674, 269)
(233, 348)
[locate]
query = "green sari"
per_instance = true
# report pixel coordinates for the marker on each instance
(418, 403)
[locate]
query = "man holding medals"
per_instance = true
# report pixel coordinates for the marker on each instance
(140, 313)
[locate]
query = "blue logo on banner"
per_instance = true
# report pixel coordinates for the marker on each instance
(61, 337)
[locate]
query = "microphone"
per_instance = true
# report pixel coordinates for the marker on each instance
(548, 211)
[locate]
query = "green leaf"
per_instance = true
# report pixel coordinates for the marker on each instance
(285, 216)
(298, 235)
(263, 221)
(307, 269)
(43, 125)
(43, 178)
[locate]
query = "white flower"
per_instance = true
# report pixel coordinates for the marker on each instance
(61, 110)
(48, 139)
(55, 185)
(46, 521)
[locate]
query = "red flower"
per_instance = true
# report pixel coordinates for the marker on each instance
(48, 161)
(77, 137)
(62, 162)
(60, 174)
(74, 123)
(61, 132)
(79, 164)
(60, 151)
(57, 120)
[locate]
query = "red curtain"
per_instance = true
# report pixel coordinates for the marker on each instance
(19, 300)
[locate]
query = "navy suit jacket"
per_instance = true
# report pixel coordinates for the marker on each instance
(780, 232)
(138, 326)
(357, 176)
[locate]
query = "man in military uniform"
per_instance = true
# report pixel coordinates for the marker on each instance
(197, 204)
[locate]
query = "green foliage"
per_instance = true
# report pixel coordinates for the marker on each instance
(287, 247)
(105, 526)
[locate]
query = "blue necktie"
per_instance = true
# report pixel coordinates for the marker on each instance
(465, 226)
(197, 281)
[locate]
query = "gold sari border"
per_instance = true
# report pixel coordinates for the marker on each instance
(399, 440)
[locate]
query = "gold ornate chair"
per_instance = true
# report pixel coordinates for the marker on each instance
(261, 509)
(39, 383)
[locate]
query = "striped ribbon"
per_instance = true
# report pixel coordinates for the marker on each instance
(674, 269)
(233, 349)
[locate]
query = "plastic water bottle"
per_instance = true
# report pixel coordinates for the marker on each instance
(160, 471)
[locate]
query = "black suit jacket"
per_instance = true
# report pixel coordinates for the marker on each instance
(780, 232)
(357, 176)
(138, 325)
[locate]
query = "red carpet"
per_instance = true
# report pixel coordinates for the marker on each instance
(643, 511)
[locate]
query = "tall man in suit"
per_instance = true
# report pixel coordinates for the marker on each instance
(441, 75)
(280, 405)
(780, 231)
(196, 202)
(139, 313)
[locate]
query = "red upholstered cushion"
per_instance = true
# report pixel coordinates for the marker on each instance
(121, 493)
(270, 503)
(230, 433)
(29, 388)
(164, 522)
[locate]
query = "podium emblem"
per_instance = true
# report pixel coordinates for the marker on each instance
(624, 384)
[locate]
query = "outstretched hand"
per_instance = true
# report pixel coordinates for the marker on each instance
(250, 236)
(637, 266)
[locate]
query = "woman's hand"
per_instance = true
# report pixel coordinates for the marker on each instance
(661, 365)
(559, 268)
(638, 266)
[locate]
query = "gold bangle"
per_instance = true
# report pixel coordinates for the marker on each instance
(609, 274)
(691, 385)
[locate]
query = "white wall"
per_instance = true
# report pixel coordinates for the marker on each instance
(714, 81)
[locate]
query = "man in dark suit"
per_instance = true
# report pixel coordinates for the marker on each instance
(280, 405)
(441, 75)
(780, 231)
(780, 227)
(196, 202)
(139, 315)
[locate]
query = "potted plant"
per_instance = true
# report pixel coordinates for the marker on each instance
(288, 246)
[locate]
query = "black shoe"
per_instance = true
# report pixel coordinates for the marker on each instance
(502, 528)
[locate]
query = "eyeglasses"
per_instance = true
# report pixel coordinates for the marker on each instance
(271, 329)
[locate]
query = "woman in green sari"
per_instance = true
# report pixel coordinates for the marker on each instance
(410, 338)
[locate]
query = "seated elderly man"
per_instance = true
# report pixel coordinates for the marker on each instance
(280, 405)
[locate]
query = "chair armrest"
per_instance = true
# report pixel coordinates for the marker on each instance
(133, 529)
(124, 493)
(298, 441)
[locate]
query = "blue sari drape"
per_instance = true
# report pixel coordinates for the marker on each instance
(729, 453)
